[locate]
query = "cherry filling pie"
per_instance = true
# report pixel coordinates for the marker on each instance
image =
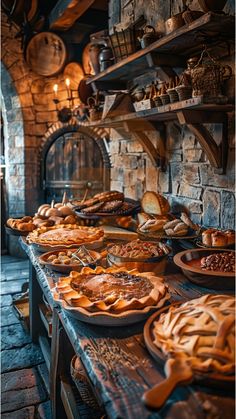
(201, 331)
(112, 290)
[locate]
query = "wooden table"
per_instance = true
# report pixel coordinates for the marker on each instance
(116, 360)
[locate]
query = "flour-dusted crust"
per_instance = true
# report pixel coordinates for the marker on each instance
(110, 290)
(66, 234)
(200, 331)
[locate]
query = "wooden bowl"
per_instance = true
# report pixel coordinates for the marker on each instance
(63, 268)
(208, 279)
(154, 264)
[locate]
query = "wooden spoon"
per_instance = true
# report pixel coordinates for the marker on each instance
(177, 372)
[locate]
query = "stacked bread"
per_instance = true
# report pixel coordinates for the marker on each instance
(218, 238)
(53, 214)
(156, 218)
(21, 224)
(104, 202)
(155, 212)
(47, 215)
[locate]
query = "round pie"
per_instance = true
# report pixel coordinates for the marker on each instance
(68, 234)
(113, 290)
(200, 331)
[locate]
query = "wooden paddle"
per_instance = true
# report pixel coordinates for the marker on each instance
(177, 372)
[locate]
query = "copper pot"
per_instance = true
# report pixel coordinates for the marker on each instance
(84, 90)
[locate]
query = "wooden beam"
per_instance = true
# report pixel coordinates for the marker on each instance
(208, 144)
(66, 12)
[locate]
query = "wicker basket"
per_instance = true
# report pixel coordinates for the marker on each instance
(124, 43)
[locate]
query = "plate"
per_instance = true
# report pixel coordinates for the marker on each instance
(15, 232)
(211, 380)
(135, 206)
(46, 248)
(209, 279)
(107, 319)
(203, 246)
(65, 268)
(155, 235)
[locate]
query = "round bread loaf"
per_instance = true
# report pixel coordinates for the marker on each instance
(154, 203)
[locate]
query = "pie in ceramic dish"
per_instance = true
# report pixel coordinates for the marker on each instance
(111, 291)
(66, 235)
(200, 332)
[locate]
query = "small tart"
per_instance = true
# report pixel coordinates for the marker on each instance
(67, 234)
(113, 290)
(200, 331)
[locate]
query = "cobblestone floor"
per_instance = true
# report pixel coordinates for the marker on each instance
(24, 394)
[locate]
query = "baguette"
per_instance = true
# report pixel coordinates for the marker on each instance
(154, 203)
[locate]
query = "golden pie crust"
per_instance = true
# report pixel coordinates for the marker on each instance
(200, 331)
(113, 290)
(65, 234)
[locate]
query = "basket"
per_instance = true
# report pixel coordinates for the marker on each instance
(124, 43)
(174, 97)
(207, 77)
(184, 92)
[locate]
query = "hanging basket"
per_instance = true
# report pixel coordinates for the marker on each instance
(208, 76)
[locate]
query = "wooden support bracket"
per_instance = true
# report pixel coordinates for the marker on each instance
(216, 154)
(137, 128)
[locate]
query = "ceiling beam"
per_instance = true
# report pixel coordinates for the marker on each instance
(66, 12)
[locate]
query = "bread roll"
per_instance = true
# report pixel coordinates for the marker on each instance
(230, 234)
(206, 236)
(154, 203)
(219, 239)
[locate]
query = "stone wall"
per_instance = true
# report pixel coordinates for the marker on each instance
(189, 181)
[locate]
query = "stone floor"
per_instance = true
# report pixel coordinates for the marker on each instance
(24, 392)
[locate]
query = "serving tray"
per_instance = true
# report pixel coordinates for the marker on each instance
(134, 207)
(158, 235)
(15, 232)
(63, 268)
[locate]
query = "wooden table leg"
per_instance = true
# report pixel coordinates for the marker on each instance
(35, 293)
(56, 368)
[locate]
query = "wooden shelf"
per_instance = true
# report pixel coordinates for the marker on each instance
(159, 114)
(172, 49)
(191, 112)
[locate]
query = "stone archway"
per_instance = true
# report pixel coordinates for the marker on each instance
(14, 145)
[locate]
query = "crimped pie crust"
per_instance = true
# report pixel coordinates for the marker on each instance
(111, 290)
(65, 234)
(200, 331)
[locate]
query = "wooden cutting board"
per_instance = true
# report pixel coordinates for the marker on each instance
(116, 233)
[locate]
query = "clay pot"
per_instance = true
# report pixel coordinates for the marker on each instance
(148, 37)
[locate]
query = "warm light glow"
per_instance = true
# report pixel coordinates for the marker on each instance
(67, 82)
(55, 88)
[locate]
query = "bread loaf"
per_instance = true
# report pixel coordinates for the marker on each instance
(154, 203)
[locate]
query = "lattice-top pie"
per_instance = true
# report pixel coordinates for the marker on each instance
(202, 331)
(112, 290)
(69, 234)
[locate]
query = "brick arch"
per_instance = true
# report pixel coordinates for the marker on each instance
(99, 135)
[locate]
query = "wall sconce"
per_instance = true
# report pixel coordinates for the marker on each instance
(65, 114)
